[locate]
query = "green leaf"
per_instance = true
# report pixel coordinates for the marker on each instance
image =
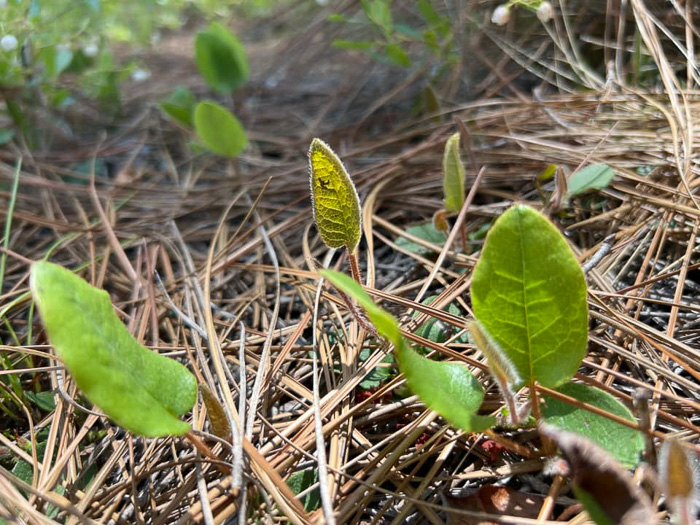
(6, 135)
(379, 12)
(529, 293)
(427, 232)
(353, 45)
(56, 60)
(221, 58)
(397, 55)
(139, 389)
(453, 175)
(407, 31)
(300, 481)
(623, 443)
(335, 202)
(427, 11)
(448, 388)
(593, 177)
(44, 400)
(435, 330)
(219, 130)
(179, 105)
(379, 374)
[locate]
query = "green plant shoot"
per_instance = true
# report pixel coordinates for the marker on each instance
(142, 391)
(336, 204)
(448, 388)
(453, 175)
(529, 293)
(219, 130)
(221, 58)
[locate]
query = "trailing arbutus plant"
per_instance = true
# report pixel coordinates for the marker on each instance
(529, 299)
(142, 391)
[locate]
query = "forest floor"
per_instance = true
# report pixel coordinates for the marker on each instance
(234, 244)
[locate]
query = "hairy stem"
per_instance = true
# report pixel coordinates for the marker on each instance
(355, 266)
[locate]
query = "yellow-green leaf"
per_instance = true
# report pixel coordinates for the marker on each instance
(335, 202)
(139, 389)
(453, 175)
(219, 130)
(449, 389)
(529, 292)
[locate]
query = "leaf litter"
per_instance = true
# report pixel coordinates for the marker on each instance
(391, 457)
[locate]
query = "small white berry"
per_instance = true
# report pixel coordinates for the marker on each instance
(501, 15)
(8, 43)
(139, 75)
(545, 12)
(91, 50)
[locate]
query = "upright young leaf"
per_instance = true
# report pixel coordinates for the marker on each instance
(529, 292)
(139, 389)
(453, 175)
(336, 205)
(606, 490)
(448, 388)
(221, 58)
(219, 130)
(623, 443)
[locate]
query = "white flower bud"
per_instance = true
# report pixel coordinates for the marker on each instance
(139, 75)
(545, 12)
(91, 50)
(8, 43)
(501, 15)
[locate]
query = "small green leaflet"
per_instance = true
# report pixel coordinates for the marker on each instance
(302, 480)
(139, 389)
(529, 292)
(448, 388)
(435, 330)
(427, 232)
(334, 198)
(179, 106)
(221, 58)
(453, 175)
(593, 177)
(219, 130)
(623, 443)
(396, 54)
